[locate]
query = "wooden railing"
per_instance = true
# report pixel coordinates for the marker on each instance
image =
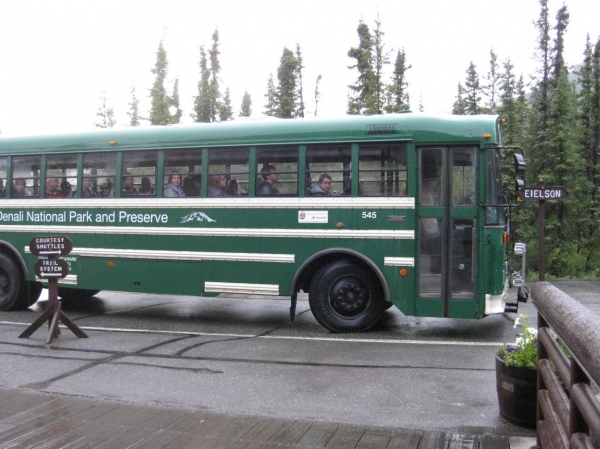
(568, 411)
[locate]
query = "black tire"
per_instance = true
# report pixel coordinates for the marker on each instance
(10, 283)
(76, 294)
(29, 296)
(345, 297)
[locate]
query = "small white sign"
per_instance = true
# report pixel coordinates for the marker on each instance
(313, 216)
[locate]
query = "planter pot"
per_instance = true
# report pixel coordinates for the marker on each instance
(517, 394)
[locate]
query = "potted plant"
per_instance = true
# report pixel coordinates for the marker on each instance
(516, 376)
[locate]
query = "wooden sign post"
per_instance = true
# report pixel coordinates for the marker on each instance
(52, 269)
(541, 193)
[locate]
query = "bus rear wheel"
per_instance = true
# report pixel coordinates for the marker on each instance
(10, 283)
(76, 294)
(345, 297)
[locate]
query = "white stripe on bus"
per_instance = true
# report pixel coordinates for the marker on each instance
(139, 202)
(399, 261)
(251, 289)
(215, 232)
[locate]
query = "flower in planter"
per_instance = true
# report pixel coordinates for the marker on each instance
(524, 351)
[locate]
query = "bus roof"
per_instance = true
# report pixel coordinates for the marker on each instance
(417, 127)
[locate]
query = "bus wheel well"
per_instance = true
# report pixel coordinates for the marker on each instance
(311, 267)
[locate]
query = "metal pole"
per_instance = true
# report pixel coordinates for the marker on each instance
(541, 235)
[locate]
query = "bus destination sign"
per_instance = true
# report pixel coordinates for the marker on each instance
(48, 246)
(51, 268)
(542, 193)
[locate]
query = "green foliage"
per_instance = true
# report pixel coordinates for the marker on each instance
(106, 114)
(246, 108)
(524, 351)
(134, 115)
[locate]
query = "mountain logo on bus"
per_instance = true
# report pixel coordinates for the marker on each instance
(198, 216)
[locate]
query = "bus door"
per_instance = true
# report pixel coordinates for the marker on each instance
(446, 234)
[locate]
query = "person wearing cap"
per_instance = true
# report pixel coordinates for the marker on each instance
(127, 188)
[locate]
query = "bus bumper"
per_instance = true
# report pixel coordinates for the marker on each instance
(496, 303)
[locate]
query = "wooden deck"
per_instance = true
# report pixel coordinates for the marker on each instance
(30, 419)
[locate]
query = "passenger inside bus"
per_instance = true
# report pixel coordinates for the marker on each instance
(191, 186)
(174, 188)
(217, 185)
(232, 188)
(19, 188)
(128, 189)
(87, 191)
(52, 190)
(270, 177)
(323, 186)
(147, 188)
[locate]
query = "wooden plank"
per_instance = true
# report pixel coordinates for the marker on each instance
(70, 436)
(433, 440)
(42, 421)
(159, 439)
(318, 434)
(345, 437)
(187, 422)
(375, 439)
(141, 416)
(212, 424)
(59, 427)
(126, 439)
(405, 439)
(33, 413)
(290, 432)
(97, 438)
(463, 441)
(22, 403)
(237, 427)
(263, 430)
(163, 419)
(494, 442)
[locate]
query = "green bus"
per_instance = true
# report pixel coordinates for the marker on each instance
(360, 212)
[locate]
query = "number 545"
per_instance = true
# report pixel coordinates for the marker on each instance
(369, 214)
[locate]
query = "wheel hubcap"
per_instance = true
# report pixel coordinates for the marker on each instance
(349, 297)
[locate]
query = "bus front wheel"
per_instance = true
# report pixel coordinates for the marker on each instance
(10, 283)
(345, 297)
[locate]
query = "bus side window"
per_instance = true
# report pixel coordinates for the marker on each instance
(277, 171)
(61, 175)
(25, 176)
(3, 173)
(99, 172)
(333, 160)
(225, 165)
(382, 169)
(188, 165)
(138, 165)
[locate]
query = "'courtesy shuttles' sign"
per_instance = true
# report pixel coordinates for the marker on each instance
(49, 246)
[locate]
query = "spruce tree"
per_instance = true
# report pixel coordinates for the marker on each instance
(460, 105)
(105, 113)
(159, 111)
(133, 113)
(174, 109)
(214, 95)
(271, 96)
(202, 101)
(361, 93)
(246, 108)
(472, 91)
(398, 98)
(493, 80)
(287, 85)
(376, 103)
(226, 111)
(317, 93)
(300, 93)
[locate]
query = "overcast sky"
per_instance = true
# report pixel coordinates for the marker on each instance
(58, 56)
